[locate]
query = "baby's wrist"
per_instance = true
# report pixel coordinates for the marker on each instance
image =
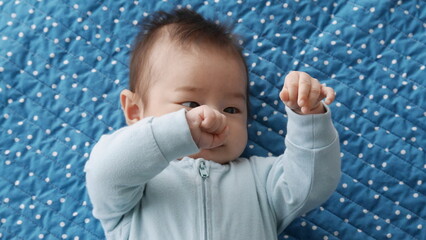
(320, 109)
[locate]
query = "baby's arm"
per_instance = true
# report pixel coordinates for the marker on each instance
(308, 172)
(122, 163)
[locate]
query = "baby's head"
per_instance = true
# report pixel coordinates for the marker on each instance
(180, 60)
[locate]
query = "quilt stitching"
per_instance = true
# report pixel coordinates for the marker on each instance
(334, 57)
(47, 206)
(412, 212)
(94, 46)
(379, 110)
(92, 67)
(46, 109)
(360, 115)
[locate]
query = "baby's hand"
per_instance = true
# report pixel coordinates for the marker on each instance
(208, 127)
(303, 94)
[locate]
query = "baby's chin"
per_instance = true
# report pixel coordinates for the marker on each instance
(218, 155)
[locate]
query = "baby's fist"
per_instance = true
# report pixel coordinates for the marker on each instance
(303, 94)
(208, 127)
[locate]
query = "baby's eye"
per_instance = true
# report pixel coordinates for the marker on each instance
(231, 110)
(191, 104)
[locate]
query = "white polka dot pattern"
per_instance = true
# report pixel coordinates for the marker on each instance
(64, 63)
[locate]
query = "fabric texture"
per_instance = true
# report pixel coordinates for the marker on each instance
(136, 194)
(64, 63)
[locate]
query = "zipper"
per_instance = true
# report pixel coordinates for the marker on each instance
(204, 173)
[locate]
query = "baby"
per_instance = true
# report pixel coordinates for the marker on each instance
(175, 171)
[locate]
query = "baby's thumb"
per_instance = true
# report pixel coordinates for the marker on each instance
(284, 95)
(217, 140)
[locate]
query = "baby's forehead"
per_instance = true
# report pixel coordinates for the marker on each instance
(166, 49)
(193, 46)
(166, 37)
(166, 52)
(194, 60)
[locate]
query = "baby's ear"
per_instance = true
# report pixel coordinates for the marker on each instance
(130, 106)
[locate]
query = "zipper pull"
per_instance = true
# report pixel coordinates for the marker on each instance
(204, 173)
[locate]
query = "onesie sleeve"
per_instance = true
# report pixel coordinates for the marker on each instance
(309, 170)
(121, 163)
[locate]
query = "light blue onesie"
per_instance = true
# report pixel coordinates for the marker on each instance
(139, 190)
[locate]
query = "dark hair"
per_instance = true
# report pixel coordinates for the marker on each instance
(185, 27)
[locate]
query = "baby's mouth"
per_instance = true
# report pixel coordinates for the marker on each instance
(216, 148)
(221, 146)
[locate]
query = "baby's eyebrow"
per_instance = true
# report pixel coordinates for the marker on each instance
(189, 89)
(238, 95)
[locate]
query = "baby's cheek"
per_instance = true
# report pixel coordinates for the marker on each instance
(239, 136)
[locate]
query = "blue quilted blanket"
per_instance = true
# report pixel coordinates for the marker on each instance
(63, 64)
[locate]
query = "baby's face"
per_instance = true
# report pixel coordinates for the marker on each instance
(193, 77)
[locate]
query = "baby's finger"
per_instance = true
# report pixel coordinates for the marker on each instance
(330, 95)
(292, 84)
(305, 84)
(314, 94)
(208, 119)
(221, 120)
(219, 139)
(215, 123)
(284, 95)
(217, 127)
